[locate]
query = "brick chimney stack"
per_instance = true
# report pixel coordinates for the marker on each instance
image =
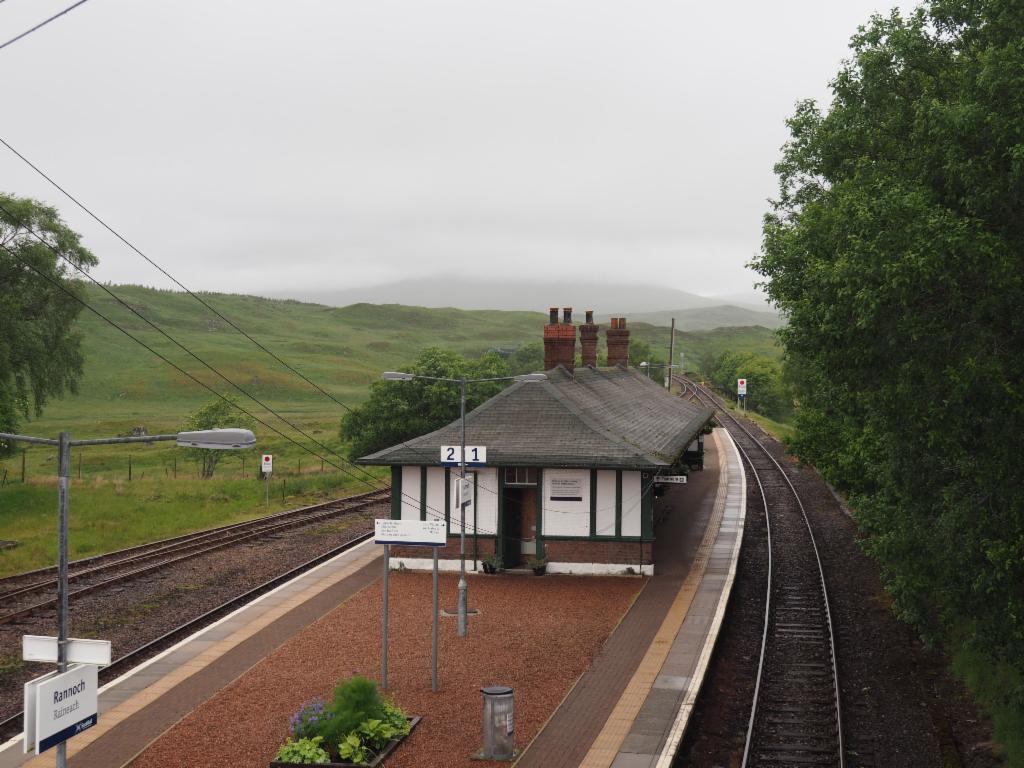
(618, 342)
(560, 340)
(588, 340)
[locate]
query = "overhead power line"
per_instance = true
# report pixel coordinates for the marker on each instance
(42, 24)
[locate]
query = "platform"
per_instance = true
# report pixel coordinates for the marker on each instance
(631, 708)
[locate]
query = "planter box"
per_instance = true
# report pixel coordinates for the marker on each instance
(390, 747)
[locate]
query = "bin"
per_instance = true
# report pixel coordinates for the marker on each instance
(499, 723)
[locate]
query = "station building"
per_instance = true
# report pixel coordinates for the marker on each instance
(572, 463)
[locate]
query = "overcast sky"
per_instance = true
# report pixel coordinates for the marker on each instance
(267, 146)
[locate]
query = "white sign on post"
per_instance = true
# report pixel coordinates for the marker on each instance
(741, 386)
(464, 492)
(268, 464)
(65, 705)
(476, 455)
(42, 648)
(410, 533)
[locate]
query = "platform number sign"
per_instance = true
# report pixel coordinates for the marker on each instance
(268, 464)
(476, 455)
(741, 386)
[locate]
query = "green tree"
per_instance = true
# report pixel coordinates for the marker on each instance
(218, 413)
(400, 410)
(896, 251)
(40, 352)
(529, 358)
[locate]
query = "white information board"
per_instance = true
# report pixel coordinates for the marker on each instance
(410, 533)
(42, 648)
(476, 455)
(678, 479)
(566, 488)
(65, 705)
(268, 464)
(741, 386)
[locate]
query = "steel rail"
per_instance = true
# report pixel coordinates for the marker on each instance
(238, 533)
(708, 397)
(191, 626)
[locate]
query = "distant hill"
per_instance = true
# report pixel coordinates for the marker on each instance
(525, 295)
(343, 349)
(706, 318)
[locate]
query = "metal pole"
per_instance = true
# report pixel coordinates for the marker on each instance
(384, 630)
(266, 476)
(463, 598)
(64, 486)
(433, 638)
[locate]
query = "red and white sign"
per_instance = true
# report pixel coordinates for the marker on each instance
(268, 464)
(741, 386)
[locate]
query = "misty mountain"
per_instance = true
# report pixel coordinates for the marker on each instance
(705, 318)
(467, 293)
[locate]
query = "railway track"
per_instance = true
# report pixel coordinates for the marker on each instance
(20, 595)
(795, 717)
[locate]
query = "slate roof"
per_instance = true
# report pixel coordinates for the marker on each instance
(608, 418)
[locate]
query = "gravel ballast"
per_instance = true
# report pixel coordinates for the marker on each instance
(537, 635)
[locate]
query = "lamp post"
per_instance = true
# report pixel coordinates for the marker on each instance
(402, 376)
(218, 439)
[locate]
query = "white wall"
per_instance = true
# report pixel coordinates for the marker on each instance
(563, 517)
(605, 502)
(435, 493)
(631, 488)
(410, 493)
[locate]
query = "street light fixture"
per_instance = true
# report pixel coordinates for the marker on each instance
(403, 376)
(216, 439)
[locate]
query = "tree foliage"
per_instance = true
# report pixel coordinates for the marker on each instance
(40, 352)
(218, 413)
(766, 391)
(896, 251)
(400, 410)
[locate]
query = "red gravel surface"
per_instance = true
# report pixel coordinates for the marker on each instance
(537, 635)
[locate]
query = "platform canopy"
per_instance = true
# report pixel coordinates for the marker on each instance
(605, 418)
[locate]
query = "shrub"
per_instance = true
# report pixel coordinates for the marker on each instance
(355, 701)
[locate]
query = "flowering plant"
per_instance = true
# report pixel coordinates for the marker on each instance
(307, 722)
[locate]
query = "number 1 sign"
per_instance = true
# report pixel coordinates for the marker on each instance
(476, 455)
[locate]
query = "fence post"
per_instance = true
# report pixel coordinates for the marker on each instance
(300, 465)
(79, 466)
(23, 452)
(175, 461)
(243, 467)
(283, 482)
(129, 467)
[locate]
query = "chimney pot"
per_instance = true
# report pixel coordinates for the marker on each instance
(567, 315)
(553, 315)
(615, 322)
(622, 322)
(590, 316)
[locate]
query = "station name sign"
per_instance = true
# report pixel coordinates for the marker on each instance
(410, 533)
(59, 706)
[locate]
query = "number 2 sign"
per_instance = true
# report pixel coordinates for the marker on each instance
(476, 455)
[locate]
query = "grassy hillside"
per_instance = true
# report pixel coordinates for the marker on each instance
(707, 318)
(124, 386)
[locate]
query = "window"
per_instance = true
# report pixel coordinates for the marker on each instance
(520, 476)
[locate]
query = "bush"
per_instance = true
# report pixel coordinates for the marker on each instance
(355, 701)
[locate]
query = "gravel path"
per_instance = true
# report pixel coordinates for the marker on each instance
(537, 635)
